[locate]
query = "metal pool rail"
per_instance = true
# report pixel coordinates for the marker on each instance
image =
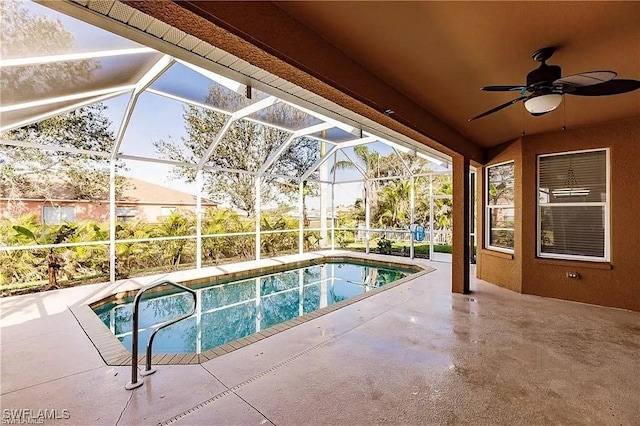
(134, 383)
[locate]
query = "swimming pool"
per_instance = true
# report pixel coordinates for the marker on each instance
(228, 311)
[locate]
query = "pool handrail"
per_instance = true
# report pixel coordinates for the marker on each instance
(134, 383)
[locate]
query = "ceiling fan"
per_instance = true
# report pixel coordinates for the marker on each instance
(545, 86)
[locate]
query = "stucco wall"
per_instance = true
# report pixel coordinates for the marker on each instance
(98, 211)
(83, 210)
(501, 268)
(613, 283)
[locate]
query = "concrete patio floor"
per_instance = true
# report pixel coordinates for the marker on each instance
(415, 354)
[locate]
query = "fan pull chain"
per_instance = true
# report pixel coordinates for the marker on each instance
(564, 114)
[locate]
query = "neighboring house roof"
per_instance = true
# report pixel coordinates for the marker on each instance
(135, 191)
(140, 192)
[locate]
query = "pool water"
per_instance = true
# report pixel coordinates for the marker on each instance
(236, 309)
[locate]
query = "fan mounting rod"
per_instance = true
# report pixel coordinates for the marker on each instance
(541, 55)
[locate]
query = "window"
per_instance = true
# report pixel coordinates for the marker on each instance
(167, 211)
(56, 215)
(500, 207)
(573, 205)
(125, 214)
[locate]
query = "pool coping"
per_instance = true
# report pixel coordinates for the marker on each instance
(114, 353)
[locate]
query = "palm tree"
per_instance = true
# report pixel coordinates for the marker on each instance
(394, 207)
(369, 161)
(176, 224)
(443, 207)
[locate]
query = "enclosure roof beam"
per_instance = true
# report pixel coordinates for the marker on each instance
(318, 163)
(159, 68)
(313, 129)
(187, 101)
(75, 96)
(340, 125)
(214, 143)
(163, 64)
(17, 62)
(59, 111)
(180, 164)
(360, 141)
(349, 129)
(316, 128)
(153, 160)
(404, 163)
(248, 110)
(432, 159)
(223, 81)
(287, 177)
(275, 154)
(270, 125)
(229, 170)
(320, 139)
(355, 164)
(278, 152)
(44, 147)
(333, 181)
(391, 177)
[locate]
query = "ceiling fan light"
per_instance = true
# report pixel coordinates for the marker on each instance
(543, 103)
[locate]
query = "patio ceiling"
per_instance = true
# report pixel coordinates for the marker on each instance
(439, 54)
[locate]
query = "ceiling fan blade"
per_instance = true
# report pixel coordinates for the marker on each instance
(612, 87)
(586, 78)
(503, 88)
(499, 107)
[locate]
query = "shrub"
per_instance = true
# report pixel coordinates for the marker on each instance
(384, 245)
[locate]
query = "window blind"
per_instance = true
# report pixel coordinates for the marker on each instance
(573, 205)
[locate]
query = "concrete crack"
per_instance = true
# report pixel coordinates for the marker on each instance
(125, 407)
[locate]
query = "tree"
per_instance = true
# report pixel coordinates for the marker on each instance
(49, 235)
(35, 173)
(224, 221)
(369, 161)
(25, 34)
(388, 206)
(23, 171)
(245, 146)
(501, 183)
(177, 224)
(394, 208)
(443, 207)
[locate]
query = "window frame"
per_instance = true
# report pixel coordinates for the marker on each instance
(488, 208)
(164, 210)
(606, 204)
(126, 213)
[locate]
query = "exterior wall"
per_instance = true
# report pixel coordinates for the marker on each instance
(611, 283)
(150, 213)
(83, 210)
(503, 269)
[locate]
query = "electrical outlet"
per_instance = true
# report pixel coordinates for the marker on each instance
(573, 275)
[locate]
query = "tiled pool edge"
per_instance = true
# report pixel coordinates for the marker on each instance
(113, 352)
